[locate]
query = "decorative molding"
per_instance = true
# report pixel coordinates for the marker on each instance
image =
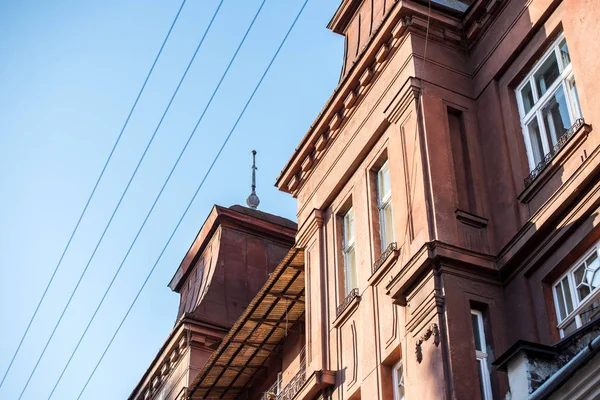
(471, 219)
(337, 114)
(309, 228)
(434, 331)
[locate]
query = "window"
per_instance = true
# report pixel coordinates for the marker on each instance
(398, 378)
(548, 102)
(576, 294)
(481, 355)
(384, 204)
(349, 252)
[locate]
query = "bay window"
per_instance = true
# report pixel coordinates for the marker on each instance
(576, 294)
(548, 102)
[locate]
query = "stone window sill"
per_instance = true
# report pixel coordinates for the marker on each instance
(348, 310)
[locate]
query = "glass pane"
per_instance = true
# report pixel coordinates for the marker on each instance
(536, 141)
(384, 182)
(556, 116)
(593, 270)
(546, 74)
(583, 291)
(476, 332)
(351, 281)
(349, 228)
(387, 226)
(579, 274)
(481, 387)
(527, 97)
(568, 299)
(560, 300)
(564, 52)
(574, 97)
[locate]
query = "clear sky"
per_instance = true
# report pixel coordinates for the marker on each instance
(69, 74)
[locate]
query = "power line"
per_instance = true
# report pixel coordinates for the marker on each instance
(223, 76)
(195, 195)
(92, 193)
(122, 196)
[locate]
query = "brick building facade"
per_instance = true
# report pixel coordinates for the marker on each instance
(448, 210)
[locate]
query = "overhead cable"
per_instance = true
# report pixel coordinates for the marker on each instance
(214, 161)
(122, 197)
(92, 193)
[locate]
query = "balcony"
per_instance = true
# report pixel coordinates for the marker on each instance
(560, 144)
(347, 301)
(290, 390)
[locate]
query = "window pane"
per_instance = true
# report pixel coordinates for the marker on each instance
(387, 226)
(350, 261)
(481, 372)
(574, 96)
(560, 300)
(546, 74)
(583, 290)
(556, 116)
(568, 299)
(349, 228)
(476, 332)
(593, 270)
(564, 52)
(527, 97)
(536, 141)
(384, 186)
(398, 383)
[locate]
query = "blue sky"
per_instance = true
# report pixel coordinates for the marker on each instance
(69, 74)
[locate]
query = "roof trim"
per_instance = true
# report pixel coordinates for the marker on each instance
(252, 220)
(342, 17)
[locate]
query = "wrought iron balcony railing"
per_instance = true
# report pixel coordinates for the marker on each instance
(562, 141)
(384, 256)
(346, 302)
(293, 387)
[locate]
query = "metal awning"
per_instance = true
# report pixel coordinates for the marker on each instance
(256, 335)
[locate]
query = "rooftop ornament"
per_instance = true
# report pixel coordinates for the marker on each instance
(253, 201)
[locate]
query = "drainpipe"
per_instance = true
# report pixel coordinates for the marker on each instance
(557, 380)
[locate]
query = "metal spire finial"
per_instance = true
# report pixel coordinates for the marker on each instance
(253, 201)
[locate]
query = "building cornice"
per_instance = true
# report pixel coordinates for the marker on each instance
(187, 332)
(404, 17)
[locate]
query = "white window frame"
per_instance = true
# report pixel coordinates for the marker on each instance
(349, 247)
(481, 357)
(384, 201)
(398, 380)
(539, 102)
(578, 306)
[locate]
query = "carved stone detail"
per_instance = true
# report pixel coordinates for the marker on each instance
(434, 331)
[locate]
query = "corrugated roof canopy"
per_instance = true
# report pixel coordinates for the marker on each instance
(256, 334)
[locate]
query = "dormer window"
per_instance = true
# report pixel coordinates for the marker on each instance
(577, 294)
(548, 102)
